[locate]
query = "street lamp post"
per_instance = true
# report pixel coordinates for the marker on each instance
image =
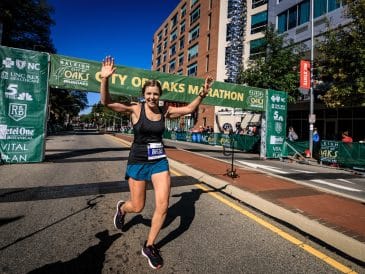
(311, 96)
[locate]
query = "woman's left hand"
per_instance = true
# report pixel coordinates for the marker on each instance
(207, 85)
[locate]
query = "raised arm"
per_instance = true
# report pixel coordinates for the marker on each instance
(107, 70)
(174, 112)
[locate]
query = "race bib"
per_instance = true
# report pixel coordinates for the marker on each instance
(155, 151)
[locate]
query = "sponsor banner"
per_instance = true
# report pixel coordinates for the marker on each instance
(23, 103)
(305, 79)
(329, 151)
(80, 74)
(276, 123)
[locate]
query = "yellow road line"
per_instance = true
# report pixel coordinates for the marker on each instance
(281, 233)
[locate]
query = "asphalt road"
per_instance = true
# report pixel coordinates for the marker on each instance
(56, 217)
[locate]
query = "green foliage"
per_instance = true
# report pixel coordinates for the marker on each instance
(277, 66)
(26, 24)
(63, 102)
(341, 60)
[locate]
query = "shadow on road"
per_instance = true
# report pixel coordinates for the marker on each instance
(183, 209)
(66, 191)
(65, 154)
(91, 203)
(90, 261)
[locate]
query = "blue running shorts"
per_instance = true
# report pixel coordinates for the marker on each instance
(144, 172)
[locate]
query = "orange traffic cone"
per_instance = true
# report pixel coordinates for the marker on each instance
(307, 153)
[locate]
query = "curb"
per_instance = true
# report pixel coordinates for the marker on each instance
(344, 243)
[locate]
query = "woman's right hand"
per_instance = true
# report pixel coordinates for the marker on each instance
(107, 67)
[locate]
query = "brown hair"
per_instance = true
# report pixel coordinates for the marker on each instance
(152, 83)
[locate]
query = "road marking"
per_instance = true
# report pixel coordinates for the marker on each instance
(303, 171)
(281, 233)
(346, 181)
(318, 181)
(270, 168)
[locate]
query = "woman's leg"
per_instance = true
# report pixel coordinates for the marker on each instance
(161, 184)
(137, 197)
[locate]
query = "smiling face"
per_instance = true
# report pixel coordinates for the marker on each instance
(151, 93)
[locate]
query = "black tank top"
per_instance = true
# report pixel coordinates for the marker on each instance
(145, 132)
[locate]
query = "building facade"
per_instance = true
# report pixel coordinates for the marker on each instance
(293, 18)
(202, 37)
(219, 37)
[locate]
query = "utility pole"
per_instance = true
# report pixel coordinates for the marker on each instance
(311, 117)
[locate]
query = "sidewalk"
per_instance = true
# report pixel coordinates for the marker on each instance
(335, 220)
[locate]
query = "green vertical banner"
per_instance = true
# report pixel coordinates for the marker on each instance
(276, 112)
(23, 105)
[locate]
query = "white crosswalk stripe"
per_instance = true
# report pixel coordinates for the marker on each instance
(318, 181)
(270, 168)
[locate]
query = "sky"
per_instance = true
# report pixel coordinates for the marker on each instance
(124, 29)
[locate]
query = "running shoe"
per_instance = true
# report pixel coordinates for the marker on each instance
(119, 217)
(153, 255)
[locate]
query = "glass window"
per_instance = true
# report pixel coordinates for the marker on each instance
(173, 21)
(258, 22)
(194, 16)
(159, 36)
(193, 69)
(158, 61)
(173, 35)
(292, 17)
(159, 49)
(183, 11)
(172, 66)
(192, 3)
(193, 52)
(179, 72)
(258, 3)
(181, 44)
(164, 44)
(173, 50)
(182, 27)
(282, 22)
(257, 46)
(181, 59)
(320, 7)
(207, 63)
(164, 56)
(303, 14)
(333, 4)
(194, 33)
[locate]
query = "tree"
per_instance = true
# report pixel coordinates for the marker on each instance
(341, 60)
(26, 24)
(66, 102)
(277, 65)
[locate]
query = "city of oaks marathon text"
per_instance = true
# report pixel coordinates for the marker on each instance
(176, 87)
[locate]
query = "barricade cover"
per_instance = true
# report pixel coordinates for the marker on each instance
(23, 105)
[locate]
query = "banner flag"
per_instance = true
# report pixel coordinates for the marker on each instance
(276, 122)
(23, 104)
(305, 80)
(79, 74)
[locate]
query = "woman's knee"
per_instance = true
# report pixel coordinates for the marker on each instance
(162, 207)
(137, 207)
